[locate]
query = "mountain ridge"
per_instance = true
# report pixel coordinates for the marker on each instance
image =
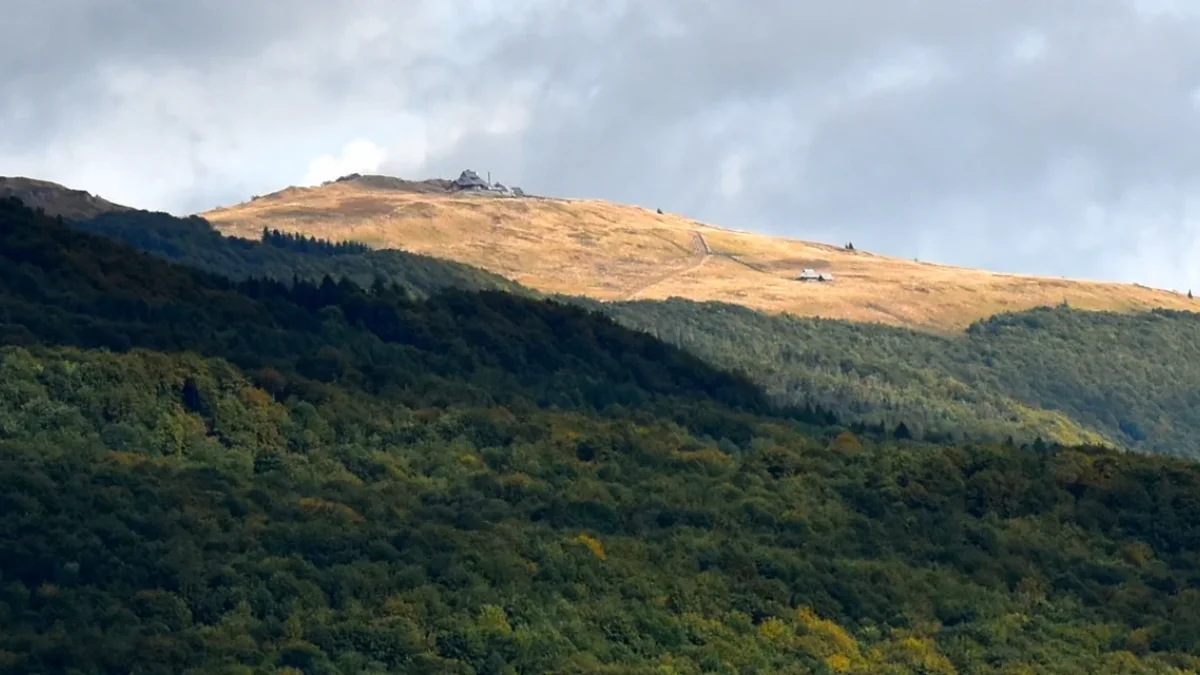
(722, 334)
(940, 386)
(56, 199)
(612, 252)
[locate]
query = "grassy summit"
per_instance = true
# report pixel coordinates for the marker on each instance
(611, 251)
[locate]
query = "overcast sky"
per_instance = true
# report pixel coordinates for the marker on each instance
(1048, 136)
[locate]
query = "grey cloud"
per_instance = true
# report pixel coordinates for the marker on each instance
(991, 162)
(911, 128)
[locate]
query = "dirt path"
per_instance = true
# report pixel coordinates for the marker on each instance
(700, 255)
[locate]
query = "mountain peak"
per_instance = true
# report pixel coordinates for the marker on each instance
(613, 252)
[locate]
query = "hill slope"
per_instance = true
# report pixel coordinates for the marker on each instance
(56, 199)
(615, 252)
(928, 397)
(60, 286)
(1045, 371)
(984, 384)
(978, 385)
(326, 479)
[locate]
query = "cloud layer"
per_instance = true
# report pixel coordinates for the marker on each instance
(1049, 137)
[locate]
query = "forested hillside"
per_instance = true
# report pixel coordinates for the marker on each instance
(1050, 371)
(491, 346)
(1026, 375)
(206, 476)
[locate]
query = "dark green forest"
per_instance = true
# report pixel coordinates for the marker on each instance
(1058, 373)
(1027, 375)
(201, 474)
(312, 245)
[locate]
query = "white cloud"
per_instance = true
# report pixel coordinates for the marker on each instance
(909, 69)
(359, 156)
(1157, 9)
(1030, 47)
(732, 170)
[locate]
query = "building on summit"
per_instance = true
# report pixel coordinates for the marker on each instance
(469, 181)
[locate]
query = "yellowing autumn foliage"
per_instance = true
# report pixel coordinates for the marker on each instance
(592, 545)
(775, 631)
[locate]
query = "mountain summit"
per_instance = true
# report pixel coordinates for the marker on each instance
(613, 252)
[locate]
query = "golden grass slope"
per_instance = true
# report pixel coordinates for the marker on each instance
(618, 252)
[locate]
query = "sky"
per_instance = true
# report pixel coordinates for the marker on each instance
(1057, 137)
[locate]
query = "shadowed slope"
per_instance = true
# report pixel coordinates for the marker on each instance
(56, 199)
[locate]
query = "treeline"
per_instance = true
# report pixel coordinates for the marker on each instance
(489, 347)
(194, 242)
(1036, 379)
(294, 241)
